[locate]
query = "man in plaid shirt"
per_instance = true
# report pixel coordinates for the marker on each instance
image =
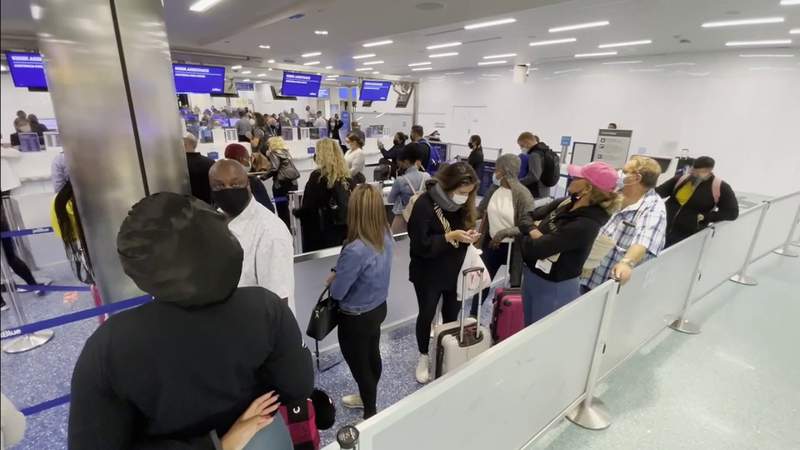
(639, 229)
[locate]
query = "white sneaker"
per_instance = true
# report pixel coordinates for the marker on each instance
(423, 371)
(353, 401)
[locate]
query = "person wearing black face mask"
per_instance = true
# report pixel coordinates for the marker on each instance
(268, 247)
(476, 154)
(238, 152)
(398, 144)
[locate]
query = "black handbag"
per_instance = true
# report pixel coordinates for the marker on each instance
(324, 317)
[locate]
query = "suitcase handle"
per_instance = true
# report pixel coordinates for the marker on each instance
(464, 279)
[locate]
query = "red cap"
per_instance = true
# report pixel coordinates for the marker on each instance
(600, 174)
(236, 151)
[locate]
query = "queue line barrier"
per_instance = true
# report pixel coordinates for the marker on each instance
(518, 390)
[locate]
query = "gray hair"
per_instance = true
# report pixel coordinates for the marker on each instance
(189, 141)
(509, 164)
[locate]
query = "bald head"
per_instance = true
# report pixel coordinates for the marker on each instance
(226, 174)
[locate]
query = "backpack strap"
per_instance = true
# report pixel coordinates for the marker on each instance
(445, 223)
(408, 182)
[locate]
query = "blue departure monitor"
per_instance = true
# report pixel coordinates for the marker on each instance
(195, 79)
(372, 90)
(27, 70)
(299, 84)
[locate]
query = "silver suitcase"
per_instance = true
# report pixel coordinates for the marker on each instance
(455, 343)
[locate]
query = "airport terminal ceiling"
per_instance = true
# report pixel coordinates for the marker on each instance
(325, 35)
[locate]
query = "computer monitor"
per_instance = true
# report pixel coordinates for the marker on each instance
(50, 123)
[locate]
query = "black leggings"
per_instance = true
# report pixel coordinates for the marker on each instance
(359, 339)
(17, 265)
(427, 299)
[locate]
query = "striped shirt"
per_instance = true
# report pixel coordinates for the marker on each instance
(643, 223)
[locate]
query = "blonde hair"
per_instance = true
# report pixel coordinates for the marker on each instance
(330, 160)
(610, 201)
(366, 217)
(648, 168)
(276, 144)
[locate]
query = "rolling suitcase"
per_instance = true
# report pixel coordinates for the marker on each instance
(508, 314)
(458, 342)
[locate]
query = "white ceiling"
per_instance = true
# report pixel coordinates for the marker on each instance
(237, 27)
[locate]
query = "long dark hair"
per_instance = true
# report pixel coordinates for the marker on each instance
(454, 176)
(76, 250)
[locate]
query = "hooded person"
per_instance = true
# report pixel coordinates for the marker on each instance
(180, 371)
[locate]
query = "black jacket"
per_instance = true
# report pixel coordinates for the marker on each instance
(199, 166)
(535, 169)
(434, 261)
(260, 193)
(568, 233)
(317, 231)
(476, 161)
(163, 376)
(683, 222)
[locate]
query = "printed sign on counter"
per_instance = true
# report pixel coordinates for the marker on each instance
(613, 146)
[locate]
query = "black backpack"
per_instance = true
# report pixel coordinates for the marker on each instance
(551, 166)
(336, 210)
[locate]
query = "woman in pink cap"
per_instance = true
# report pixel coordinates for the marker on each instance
(555, 250)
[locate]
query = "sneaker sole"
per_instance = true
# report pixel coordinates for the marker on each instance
(353, 406)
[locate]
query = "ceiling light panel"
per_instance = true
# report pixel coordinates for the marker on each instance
(311, 63)
(321, 32)
(765, 55)
(425, 63)
(446, 45)
(363, 69)
(311, 54)
(756, 43)
(580, 26)
(491, 23)
(626, 44)
(790, 2)
(364, 56)
(552, 42)
(203, 5)
(595, 55)
(794, 31)
(236, 67)
(504, 55)
(372, 63)
(247, 72)
(612, 63)
(492, 63)
(443, 55)
(736, 23)
(264, 46)
(419, 69)
(378, 43)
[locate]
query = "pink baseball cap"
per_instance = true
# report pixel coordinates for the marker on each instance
(600, 174)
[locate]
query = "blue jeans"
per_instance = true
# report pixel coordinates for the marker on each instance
(541, 297)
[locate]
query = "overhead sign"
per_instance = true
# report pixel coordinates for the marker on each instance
(299, 84)
(190, 78)
(372, 90)
(566, 140)
(613, 147)
(27, 70)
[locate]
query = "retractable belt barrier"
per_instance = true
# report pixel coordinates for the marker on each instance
(53, 288)
(25, 232)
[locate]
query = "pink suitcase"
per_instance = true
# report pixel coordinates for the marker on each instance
(508, 315)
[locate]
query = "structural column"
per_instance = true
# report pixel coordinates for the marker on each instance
(109, 73)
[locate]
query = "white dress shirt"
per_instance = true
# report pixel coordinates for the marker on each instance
(268, 251)
(355, 161)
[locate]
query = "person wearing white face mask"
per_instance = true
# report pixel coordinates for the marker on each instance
(504, 207)
(638, 230)
(440, 230)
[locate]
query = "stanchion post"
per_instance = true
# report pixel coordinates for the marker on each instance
(592, 413)
(295, 202)
(741, 277)
(786, 250)
(682, 322)
(27, 341)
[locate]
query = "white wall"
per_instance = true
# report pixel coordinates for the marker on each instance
(13, 99)
(744, 112)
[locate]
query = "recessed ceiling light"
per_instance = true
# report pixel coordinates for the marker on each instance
(552, 42)
(247, 72)
(333, 76)
(363, 56)
(794, 31)
(491, 23)
(271, 61)
(321, 32)
(580, 26)
(310, 55)
(491, 63)
(261, 75)
(443, 55)
(454, 73)
(774, 55)
(446, 45)
(363, 69)
(36, 11)
(376, 73)
(611, 63)
(236, 67)
(420, 69)
(560, 72)
(203, 5)
(378, 43)
(790, 2)
(677, 64)
(328, 67)
(504, 55)
(311, 63)
(425, 63)
(372, 63)
(246, 80)
(626, 44)
(264, 46)
(734, 23)
(751, 43)
(592, 55)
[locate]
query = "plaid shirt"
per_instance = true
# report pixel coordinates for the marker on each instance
(643, 223)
